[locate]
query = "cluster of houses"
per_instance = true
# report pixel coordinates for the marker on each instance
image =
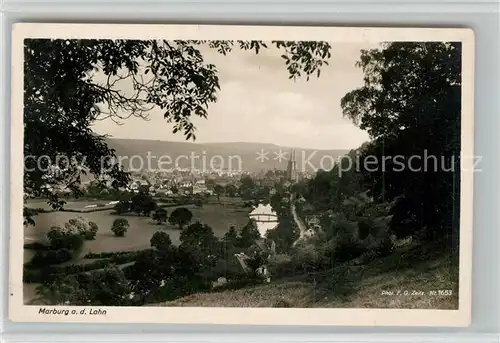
(170, 187)
(181, 182)
(185, 182)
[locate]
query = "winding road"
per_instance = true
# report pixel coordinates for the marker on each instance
(300, 224)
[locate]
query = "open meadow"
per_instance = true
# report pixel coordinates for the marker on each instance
(219, 216)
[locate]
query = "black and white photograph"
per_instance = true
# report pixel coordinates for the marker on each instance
(309, 169)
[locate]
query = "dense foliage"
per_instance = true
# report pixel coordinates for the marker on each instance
(181, 216)
(160, 215)
(120, 226)
(411, 106)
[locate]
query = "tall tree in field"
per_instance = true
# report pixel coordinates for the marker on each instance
(180, 216)
(247, 188)
(143, 203)
(160, 215)
(70, 84)
(410, 104)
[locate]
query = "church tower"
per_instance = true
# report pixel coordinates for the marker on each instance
(291, 170)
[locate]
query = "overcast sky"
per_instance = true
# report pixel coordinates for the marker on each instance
(259, 103)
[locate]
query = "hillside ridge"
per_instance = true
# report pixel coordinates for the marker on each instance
(247, 156)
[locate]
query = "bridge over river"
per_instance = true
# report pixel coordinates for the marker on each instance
(265, 218)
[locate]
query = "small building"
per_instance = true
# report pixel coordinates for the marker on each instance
(198, 189)
(312, 220)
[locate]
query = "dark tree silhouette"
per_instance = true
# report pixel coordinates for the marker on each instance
(161, 240)
(123, 206)
(200, 240)
(143, 203)
(231, 237)
(160, 215)
(411, 104)
(247, 188)
(249, 233)
(120, 227)
(180, 216)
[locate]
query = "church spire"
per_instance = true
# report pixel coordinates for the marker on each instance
(291, 168)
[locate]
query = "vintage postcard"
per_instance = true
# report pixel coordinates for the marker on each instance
(241, 175)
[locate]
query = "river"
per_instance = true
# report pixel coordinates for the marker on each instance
(265, 218)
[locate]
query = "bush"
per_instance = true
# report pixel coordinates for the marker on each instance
(307, 258)
(120, 227)
(63, 289)
(228, 268)
(284, 269)
(50, 257)
(160, 240)
(91, 232)
(107, 287)
(160, 215)
(86, 229)
(77, 225)
(345, 246)
(64, 239)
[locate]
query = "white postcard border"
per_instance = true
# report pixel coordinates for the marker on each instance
(251, 316)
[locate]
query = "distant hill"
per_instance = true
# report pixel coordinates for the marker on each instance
(224, 156)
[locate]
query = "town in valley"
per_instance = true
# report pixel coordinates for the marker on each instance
(278, 209)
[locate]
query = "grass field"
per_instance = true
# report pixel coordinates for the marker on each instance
(218, 216)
